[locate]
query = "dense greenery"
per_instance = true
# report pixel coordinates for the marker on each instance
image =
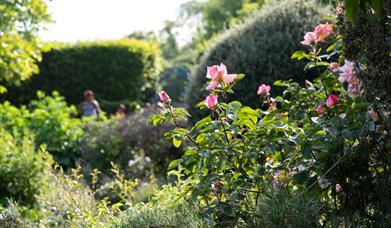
(260, 49)
(315, 155)
(316, 142)
(20, 49)
(23, 168)
(123, 71)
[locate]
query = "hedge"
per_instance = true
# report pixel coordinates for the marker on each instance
(121, 71)
(261, 49)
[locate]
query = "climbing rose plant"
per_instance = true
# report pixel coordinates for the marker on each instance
(304, 141)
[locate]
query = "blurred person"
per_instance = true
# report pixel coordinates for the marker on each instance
(121, 111)
(90, 106)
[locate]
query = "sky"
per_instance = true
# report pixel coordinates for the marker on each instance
(79, 20)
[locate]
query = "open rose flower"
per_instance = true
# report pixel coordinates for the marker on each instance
(309, 38)
(211, 101)
(332, 100)
(347, 73)
(323, 31)
(263, 89)
(321, 109)
(219, 75)
(163, 96)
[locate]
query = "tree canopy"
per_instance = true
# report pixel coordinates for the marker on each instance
(20, 20)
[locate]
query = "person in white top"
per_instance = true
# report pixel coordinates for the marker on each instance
(90, 106)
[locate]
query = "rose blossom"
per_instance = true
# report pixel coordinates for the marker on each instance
(320, 109)
(309, 38)
(332, 100)
(263, 89)
(218, 74)
(347, 73)
(354, 87)
(322, 31)
(163, 96)
(211, 101)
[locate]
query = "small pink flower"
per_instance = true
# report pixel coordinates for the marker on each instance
(163, 96)
(263, 89)
(323, 31)
(334, 66)
(332, 100)
(309, 38)
(347, 73)
(218, 75)
(354, 88)
(321, 109)
(211, 101)
(338, 188)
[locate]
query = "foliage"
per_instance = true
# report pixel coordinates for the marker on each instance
(218, 15)
(23, 169)
(166, 208)
(260, 49)
(137, 150)
(122, 71)
(49, 119)
(11, 217)
(20, 49)
(313, 141)
(353, 7)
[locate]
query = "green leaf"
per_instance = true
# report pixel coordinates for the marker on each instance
(176, 142)
(248, 113)
(299, 55)
(174, 163)
(377, 7)
(351, 9)
(239, 77)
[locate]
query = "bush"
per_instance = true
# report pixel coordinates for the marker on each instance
(23, 168)
(317, 141)
(49, 119)
(123, 71)
(167, 208)
(138, 150)
(260, 49)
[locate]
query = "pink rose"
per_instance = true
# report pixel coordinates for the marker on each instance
(323, 31)
(354, 88)
(347, 73)
(211, 101)
(163, 96)
(218, 75)
(334, 66)
(309, 38)
(320, 109)
(332, 100)
(263, 89)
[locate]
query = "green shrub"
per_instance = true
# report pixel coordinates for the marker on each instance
(167, 208)
(23, 168)
(122, 71)
(138, 150)
(49, 119)
(11, 216)
(260, 49)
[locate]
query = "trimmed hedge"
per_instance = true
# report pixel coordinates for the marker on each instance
(121, 71)
(260, 49)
